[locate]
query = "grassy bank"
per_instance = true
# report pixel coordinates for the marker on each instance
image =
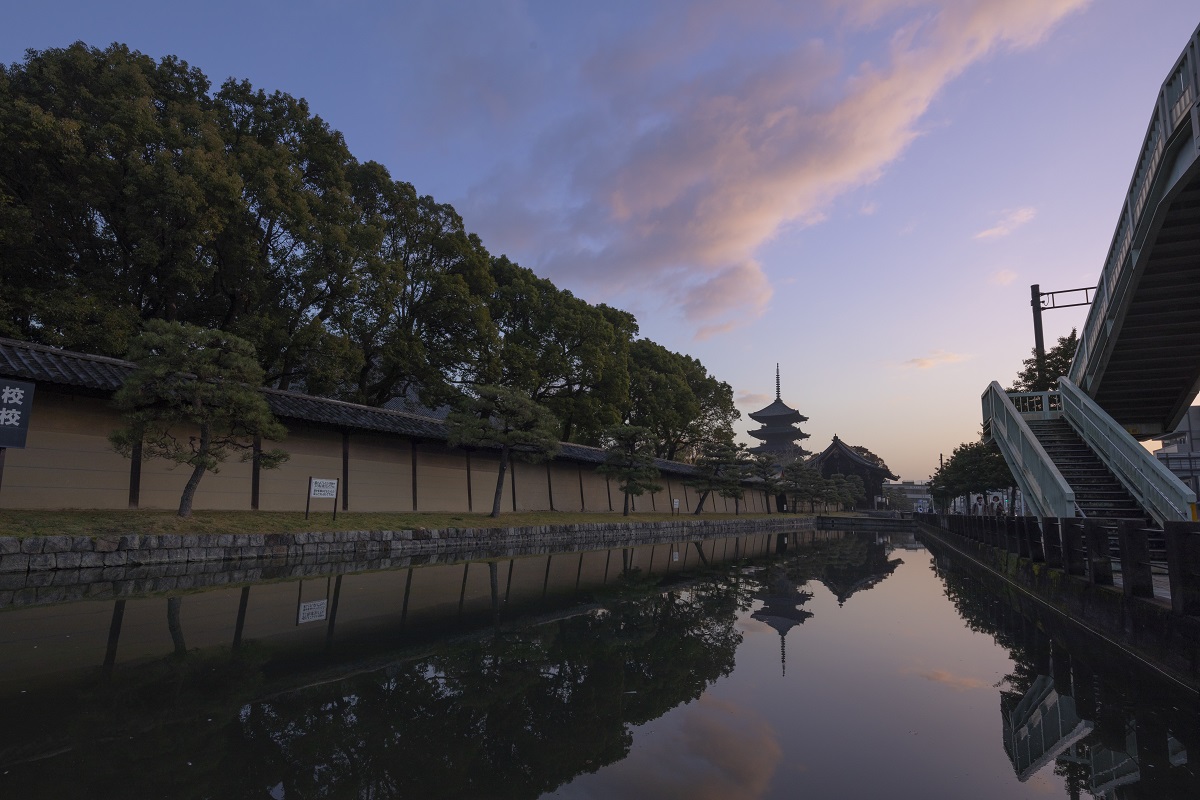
(109, 522)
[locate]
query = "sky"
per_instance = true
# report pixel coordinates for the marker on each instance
(861, 191)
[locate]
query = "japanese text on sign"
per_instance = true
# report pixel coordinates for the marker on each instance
(16, 399)
(323, 487)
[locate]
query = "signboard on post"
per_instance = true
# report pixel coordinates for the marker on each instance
(16, 401)
(675, 506)
(321, 488)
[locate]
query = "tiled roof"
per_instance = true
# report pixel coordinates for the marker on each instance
(44, 364)
(49, 365)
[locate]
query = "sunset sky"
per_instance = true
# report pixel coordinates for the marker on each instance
(860, 190)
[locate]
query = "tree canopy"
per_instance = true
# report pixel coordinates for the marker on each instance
(198, 383)
(132, 190)
(973, 468)
(1058, 363)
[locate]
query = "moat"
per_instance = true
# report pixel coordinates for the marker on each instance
(816, 664)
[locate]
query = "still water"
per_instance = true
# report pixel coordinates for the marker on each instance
(824, 665)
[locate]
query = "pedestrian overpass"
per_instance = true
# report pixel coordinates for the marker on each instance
(1137, 368)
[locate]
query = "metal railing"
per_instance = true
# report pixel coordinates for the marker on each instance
(1155, 488)
(1041, 484)
(1176, 99)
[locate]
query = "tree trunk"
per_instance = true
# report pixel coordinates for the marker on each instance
(625, 513)
(767, 495)
(737, 506)
(700, 504)
(189, 489)
(175, 626)
(500, 481)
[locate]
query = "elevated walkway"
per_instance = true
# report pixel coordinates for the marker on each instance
(1098, 493)
(1139, 351)
(1071, 459)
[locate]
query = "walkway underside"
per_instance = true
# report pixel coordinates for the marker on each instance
(1153, 371)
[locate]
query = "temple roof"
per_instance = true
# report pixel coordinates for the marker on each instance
(779, 412)
(840, 449)
(768, 432)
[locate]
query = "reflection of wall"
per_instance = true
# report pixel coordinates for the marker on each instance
(371, 607)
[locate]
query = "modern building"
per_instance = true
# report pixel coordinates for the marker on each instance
(1180, 451)
(916, 492)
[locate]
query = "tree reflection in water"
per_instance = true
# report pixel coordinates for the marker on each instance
(514, 715)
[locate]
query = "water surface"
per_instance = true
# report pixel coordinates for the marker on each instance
(825, 665)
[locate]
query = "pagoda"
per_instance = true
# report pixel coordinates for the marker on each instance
(779, 430)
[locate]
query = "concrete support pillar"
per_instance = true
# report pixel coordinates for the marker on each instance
(1098, 558)
(1023, 534)
(1052, 542)
(1037, 539)
(1183, 566)
(1136, 580)
(1070, 531)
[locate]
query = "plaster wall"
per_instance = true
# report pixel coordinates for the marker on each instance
(530, 486)
(312, 453)
(484, 467)
(595, 488)
(380, 472)
(441, 478)
(67, 461)
(564, 483)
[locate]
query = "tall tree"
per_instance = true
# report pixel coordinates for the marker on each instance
(113, 188)
(627, 458)
(677, 400)
(501, 418)
(766, 468)
(418, 318)
(204, 383)
(718, 471)
(284, 259)
(568, 355)
(1058, 363)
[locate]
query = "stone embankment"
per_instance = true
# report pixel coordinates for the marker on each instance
(41, 569)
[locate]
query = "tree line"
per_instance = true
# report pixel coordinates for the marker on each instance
(132, 191)
(976, 468)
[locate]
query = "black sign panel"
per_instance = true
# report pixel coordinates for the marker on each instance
(16, 402)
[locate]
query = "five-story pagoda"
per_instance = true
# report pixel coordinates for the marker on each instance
(779, 432)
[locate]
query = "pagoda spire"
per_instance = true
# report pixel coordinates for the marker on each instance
(777, 380)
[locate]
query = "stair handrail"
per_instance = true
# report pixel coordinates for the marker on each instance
(1036, 476)
(1155, 487)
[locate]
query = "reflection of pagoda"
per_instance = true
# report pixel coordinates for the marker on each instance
(779, 430)
(779, 610)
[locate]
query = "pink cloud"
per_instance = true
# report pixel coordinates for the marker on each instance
(696, 148)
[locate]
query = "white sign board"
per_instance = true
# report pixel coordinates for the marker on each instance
(313, 611)
(675, 504)
(323, 487)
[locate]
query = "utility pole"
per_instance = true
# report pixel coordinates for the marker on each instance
(1051, 301)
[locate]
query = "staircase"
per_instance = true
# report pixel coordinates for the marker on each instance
(1097, 493)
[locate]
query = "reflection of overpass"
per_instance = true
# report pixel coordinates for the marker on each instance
(1138, 365)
